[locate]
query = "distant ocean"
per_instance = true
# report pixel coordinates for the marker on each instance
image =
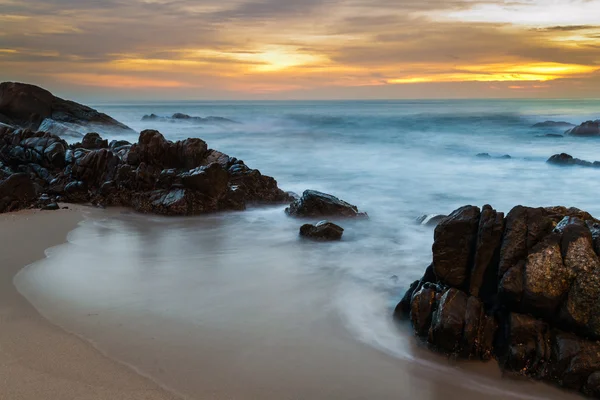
(396, 160)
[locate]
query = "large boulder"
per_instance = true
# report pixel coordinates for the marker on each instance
(454, 246)
(28, 106)
(153, 149)
(322, 231)
(564, 159)
(317, 204)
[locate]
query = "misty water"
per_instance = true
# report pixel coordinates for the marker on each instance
(241, 292)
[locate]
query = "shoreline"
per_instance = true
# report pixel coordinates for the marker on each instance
(37, 358)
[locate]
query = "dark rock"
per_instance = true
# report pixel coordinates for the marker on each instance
(525, 345)
(422, 307)
(553, 124)
(588, 128)
(550, 135)
(322, 231)
(510, 289)
(484, 274)
(448, 321)
(211, 180)
(153, 149)
(483, 155)
(16, 192)
(93, 141)
(454, 246)
(27, 106)
(505, 157)
(51, 207)
(565, 159)
(317, 204)
(77, 192)
(471, 334)
(592, 386)
(574, 360)
(402, 310)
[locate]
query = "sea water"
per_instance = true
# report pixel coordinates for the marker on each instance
(247, 277)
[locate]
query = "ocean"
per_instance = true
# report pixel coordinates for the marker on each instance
(240, 289)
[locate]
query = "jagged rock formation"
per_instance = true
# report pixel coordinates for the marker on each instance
(153, 175)
(524, 289)
(31, 107)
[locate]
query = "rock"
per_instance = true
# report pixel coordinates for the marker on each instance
(62, 130)
(565, 159)
(484, 273)
(28, 106)
(471, 333)
(550, 135)
(553, 124)
(16, 192)
(574, 360)
(454, 246)
(588, 128)
(430, 220)
(93, 141)
(211, 180)
(180, 117)
(510, 289)
(153, 149)
(448, 321)
(77, 192)
(483, 155)
(317, 204)
(322, 231)
(51, 207)
(423, 304)
(505, 157)
(525, 345)
(27, 147)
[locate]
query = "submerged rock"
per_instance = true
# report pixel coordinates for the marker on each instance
(553, 124)
(317, 204)
(187, 118)
(323, 231)
(564, 159)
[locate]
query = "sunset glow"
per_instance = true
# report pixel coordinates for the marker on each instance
(237, 49)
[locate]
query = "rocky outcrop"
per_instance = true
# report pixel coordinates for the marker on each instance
(153, 175)
(317, 204)
(524, 289)
(29, 106)
(588, 128)
(179, 117)
(322, 231)
(564, 159)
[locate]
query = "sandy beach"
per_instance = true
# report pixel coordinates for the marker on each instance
(37, 359)
(180, 301)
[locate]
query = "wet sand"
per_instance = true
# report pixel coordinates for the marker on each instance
(213, 308)
(37, 359)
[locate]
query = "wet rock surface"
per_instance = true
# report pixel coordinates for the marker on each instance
(153, 175)
(317, 204)
(322, 231)
(523, 289)
(588, 128)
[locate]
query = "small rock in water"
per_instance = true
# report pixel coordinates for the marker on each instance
(430, 220)
(317, 204)
(322, 231)
(484, 155)
(51, 207)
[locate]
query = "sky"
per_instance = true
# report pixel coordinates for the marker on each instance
(303, 49)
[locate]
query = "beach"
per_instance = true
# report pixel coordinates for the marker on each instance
(37, 359)
(245, 329)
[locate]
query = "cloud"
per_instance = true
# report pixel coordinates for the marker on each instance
(291, 46)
